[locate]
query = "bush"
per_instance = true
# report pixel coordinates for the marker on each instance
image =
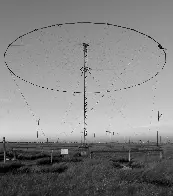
(92, 162)
(77, 154)
(130, 176)
(24, 169)
(123, 160)
(9, 154)
(36, 169)
(61, 167)
(117, 165)
(160, 173)
(30, 156)
(43, 161)
(75, 159)
(156, 178)
(120, 160)
(4, 168)
(47, 161)
(55, 168)
(136, 165)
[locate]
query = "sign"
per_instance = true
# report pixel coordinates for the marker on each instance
(64, 151)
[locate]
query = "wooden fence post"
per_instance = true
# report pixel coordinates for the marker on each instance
(4, 149)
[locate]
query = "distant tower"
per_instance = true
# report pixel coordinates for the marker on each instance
(157, 138)
(129, 140)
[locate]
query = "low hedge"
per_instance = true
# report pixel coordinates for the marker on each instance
(6, 167)
(30, 157)
(47, 161)
(55, 168)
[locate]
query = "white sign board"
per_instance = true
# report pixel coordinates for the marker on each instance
(64, 151)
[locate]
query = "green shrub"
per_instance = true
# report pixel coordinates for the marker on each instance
(30, 156)
(91, 162)
(130, 176)
(156, 178)
(36, 169)
(55, 168)
(9, 154)
(47, 161)
(7, 167)
(77, 154)
(134, 165)
(123, 160)
(43, 161)
(58, 167)
(117, 165)
(120, 160)
(160, 173)
(75, 159)
(24, 169)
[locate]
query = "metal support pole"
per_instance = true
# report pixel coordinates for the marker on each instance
(85, 69)
(159, 116)
(4, 149)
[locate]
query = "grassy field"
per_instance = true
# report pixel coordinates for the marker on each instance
(105, 174)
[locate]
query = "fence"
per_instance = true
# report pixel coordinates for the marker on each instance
(129, 153)
(83, 150)
(51, 151)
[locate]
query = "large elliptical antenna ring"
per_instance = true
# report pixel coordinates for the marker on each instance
(85, 68)
(12, 44)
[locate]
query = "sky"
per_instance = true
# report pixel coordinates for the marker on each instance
(53, 58)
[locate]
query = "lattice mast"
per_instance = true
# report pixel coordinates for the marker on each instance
(85, 69)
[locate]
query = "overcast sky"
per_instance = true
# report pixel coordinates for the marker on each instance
(128, 113)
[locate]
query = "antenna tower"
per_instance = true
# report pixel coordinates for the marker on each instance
(85, 69)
